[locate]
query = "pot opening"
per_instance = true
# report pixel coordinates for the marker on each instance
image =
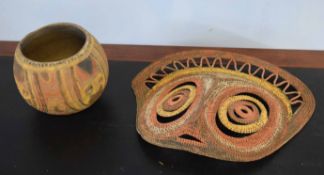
(53, 43)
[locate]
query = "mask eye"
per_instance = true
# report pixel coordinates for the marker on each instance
(168, 107)
(242, 115)
(175, 103)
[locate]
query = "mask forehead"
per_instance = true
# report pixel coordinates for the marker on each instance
(221, 105)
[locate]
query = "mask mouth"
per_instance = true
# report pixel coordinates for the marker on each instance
(53, 43)
(190, 138)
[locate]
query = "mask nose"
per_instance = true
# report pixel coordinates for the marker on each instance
(193, 133)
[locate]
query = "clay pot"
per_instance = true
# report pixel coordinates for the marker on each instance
(60, 69)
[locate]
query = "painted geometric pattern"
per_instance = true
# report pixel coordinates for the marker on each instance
(67, 89)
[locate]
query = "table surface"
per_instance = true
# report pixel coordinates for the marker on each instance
(103, 140)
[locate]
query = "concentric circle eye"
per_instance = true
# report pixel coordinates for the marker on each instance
(176, 101)
(241, 114)
(246, 118)
(171, 106)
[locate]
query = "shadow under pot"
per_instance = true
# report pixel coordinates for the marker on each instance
(60, 69)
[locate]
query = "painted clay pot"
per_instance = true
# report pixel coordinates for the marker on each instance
(60, 69)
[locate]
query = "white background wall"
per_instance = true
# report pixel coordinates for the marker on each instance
(294, 24)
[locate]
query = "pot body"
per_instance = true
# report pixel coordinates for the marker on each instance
(68, 82)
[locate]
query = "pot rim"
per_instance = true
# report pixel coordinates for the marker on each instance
(81, 54)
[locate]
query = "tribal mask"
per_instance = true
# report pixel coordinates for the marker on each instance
(221, 105)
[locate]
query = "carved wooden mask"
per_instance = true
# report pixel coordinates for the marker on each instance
(221, 105)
